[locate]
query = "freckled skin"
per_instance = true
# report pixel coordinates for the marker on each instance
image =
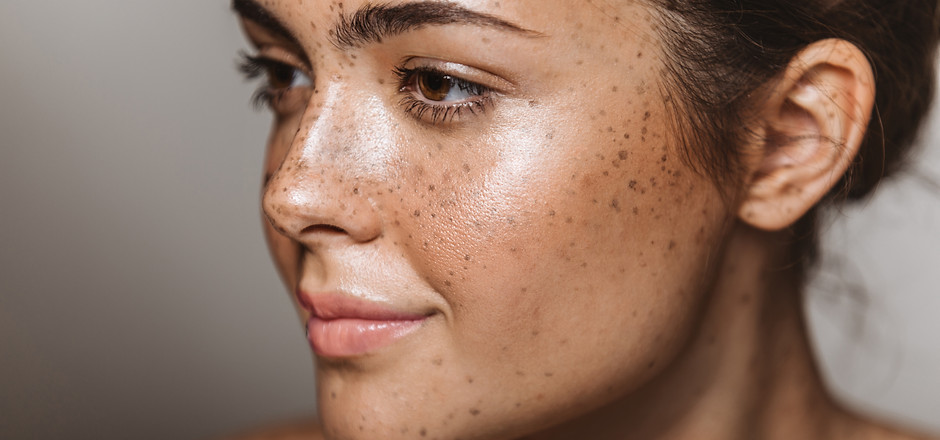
(461, 196)
(565, 263)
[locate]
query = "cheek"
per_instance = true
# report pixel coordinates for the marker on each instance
(561, 252)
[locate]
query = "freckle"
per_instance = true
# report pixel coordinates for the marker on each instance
(632, 184)
(639, 54)
(606, 173)
(547, 374)
(469, 379)
(417, 213)
(672, 244)
(579, 62)
(423, 432)
(613, 89)
(651, 364)
(437, 361)
(466, 168)
(333, 394)
(518, 404)
(615, 204)
(643, 131)
(540, 396)
(474, 411)
(485, 40)
(381, 81)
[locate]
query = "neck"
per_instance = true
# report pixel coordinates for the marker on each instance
(747, 371)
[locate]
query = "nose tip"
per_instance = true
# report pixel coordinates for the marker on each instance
(308, 204)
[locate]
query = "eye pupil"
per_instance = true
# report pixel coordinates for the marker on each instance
(281, 77)
(434, 86)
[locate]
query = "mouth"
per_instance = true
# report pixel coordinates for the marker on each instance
(342, 326)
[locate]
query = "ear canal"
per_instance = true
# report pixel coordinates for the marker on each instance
(814, 122)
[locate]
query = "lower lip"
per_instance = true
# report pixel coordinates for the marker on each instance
(355, 337)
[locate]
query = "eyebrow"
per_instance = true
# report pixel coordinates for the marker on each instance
(250, 10)
(372, 23)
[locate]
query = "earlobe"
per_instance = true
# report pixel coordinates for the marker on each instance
(812, 126)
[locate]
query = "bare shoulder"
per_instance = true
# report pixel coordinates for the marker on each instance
(298, 430)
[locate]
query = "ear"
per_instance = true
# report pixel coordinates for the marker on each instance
(811, 126)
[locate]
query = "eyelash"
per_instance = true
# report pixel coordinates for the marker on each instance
(419, 108)
(254, 67)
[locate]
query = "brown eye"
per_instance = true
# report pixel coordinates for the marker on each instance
(434, 86)
(280, 76)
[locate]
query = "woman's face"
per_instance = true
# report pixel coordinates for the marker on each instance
(495, 183)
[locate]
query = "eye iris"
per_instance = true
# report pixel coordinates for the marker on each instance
(280, 77)
(434, 86)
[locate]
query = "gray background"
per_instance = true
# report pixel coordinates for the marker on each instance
(136, 297)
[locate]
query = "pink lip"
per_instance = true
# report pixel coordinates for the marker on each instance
(342, 326)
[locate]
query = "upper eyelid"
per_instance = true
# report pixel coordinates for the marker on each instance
(284, 56)
(482, 77)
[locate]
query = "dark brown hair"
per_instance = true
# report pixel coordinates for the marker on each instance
(721, 52)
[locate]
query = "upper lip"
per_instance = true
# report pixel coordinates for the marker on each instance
(331, 305)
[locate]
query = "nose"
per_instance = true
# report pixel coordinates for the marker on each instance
(318, 192)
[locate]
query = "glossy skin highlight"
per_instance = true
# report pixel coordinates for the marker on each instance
(562, 252)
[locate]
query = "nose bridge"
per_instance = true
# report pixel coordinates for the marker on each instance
(316, 190)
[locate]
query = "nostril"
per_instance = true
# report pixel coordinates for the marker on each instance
(323, 229)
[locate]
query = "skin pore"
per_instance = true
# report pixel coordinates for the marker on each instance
(506, 169)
